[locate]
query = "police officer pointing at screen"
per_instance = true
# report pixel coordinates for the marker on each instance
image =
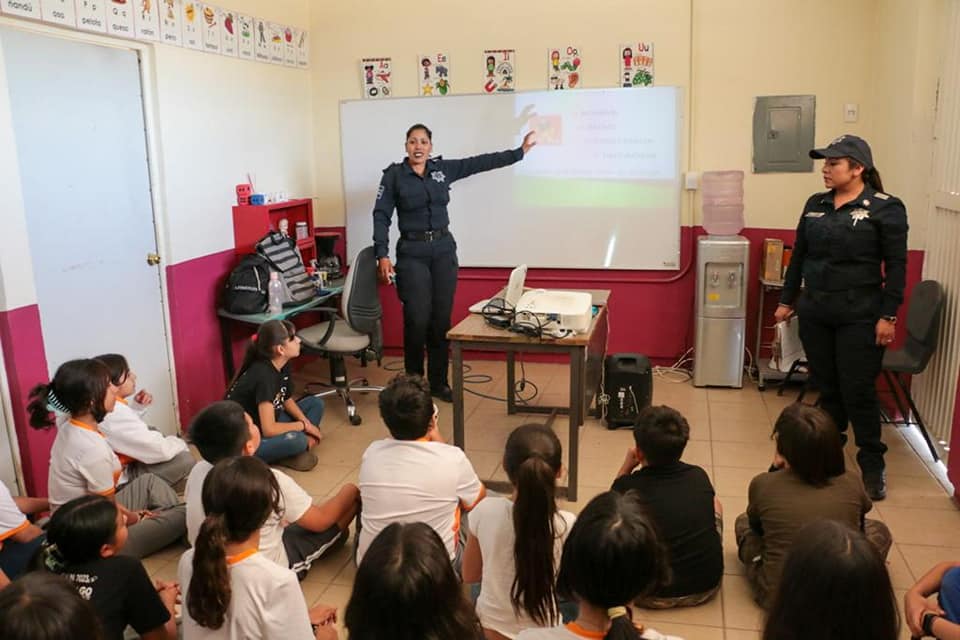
(426, 270)
(851, 254)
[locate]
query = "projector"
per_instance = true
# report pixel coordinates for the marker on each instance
(563, 310)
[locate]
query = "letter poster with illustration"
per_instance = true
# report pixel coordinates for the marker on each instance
(636, 64)
(22, 8)
(500, 70)
(563, 68)
(228, 32)
(171, 19)
(245, 43)
(275, 32)
(434, 74)
(92, 15)
(376, 78)
(146, 19)
(62, 12)
(210, 28)
(303, 49)
(192, 32)
(120, 18)
(261, 35)
(289, 47)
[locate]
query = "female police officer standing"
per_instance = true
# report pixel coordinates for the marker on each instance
(851, 253)
(426, 269)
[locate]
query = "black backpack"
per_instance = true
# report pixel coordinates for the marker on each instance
(246, 288)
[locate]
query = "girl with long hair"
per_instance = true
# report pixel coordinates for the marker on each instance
(264, 388)
(84, 540)
(611, 557)
(82, 463)
(406, 589)
(515, 542)
(232, 590)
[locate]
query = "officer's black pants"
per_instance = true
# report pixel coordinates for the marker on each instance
(426, 282)
(838, 331)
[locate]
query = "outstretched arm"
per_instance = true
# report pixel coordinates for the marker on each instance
(465, 167)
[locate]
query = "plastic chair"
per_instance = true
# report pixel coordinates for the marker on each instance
(923, 331)
(356, 333)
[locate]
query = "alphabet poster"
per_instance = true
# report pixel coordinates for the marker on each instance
(245, 44)
(275, 32)
(62, 12)
(171, 19)
(190, 21)
(92, 15)
(289, 47)
(260, 34)
(636, 64)
(146, 20)
(303, 49)
(563, 68)
(500, 70)
(22, 8)
(434, 74)
(120, 19)
(376, 77)
(210, 28)
(228, 32)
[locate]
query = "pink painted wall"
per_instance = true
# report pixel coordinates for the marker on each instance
(26, 365)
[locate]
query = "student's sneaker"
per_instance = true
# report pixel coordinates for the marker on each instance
(303, 461)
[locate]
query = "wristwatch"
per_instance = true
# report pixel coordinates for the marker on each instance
(927, 622)
(890, 319)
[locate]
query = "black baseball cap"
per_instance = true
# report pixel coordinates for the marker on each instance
(846, 146)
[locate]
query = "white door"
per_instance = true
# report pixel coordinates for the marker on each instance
(78, 121)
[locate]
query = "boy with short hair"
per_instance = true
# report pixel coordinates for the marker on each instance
(223, 430)
(681, 502)
(414, 476)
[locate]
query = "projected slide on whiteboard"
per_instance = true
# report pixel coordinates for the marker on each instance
(601, 190)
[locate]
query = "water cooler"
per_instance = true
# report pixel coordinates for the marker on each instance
(722, 259)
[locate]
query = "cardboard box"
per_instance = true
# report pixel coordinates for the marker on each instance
(772, 270)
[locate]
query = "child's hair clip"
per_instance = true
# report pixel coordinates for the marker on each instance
(54, 403)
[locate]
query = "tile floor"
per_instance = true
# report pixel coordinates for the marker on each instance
(730, 432)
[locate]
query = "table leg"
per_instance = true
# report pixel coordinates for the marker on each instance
(576, 413)
(226, 345)
(511, 382)
(458, 431)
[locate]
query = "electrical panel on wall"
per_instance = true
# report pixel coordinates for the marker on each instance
(783, 134)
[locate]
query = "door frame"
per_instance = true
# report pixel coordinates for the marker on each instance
(147, 73)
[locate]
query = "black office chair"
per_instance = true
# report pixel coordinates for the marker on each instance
(923, 330)
(356, 333)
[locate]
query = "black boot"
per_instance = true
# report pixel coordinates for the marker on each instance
(442, 391)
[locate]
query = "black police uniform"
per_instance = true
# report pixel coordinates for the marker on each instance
(852, 261)
(426, 264)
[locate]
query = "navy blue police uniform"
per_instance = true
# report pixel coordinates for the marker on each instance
(426, 264)
(852, 262)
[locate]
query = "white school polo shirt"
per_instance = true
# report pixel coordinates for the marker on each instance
(294, 502)
(265, 602)
(81, 462)
(12, 520)
(130, 437)
(415, 481)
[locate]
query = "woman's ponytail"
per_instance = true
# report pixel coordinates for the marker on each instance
(209, 593)
(271, 334)
(872, 177)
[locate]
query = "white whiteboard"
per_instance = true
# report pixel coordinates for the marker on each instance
(601, 190)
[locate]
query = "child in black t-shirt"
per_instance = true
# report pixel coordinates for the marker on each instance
(264, 389)
(681, 502)
(84, 539)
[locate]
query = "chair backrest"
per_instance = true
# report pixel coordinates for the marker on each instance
(360, 302)
(923, 320)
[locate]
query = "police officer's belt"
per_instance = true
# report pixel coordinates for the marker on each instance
(428, 236)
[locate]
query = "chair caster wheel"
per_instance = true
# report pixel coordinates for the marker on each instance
(355, 420)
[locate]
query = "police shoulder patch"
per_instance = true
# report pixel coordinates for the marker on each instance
(881, 195)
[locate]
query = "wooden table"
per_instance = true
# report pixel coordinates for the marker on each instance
(585, 351)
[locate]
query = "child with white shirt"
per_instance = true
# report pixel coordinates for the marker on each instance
(414, 476)
(611, 557)
(81, 461)
(515, 542)
(224, 430)
(231, 589)
(141, 448)
(19, 538)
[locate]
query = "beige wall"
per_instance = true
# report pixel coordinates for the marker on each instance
(839, 51)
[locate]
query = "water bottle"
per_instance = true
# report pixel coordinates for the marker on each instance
(274, 294)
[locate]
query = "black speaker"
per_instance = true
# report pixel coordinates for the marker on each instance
(628, 384)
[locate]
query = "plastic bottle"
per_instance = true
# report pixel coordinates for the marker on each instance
(274, 294)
